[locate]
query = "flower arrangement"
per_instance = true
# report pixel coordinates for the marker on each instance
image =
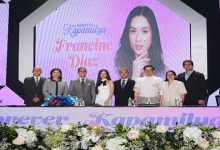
(20, 138)
(61, 101)
(84, 137)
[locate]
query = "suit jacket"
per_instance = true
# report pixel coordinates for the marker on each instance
(87, 94)
(31, 91)
(195, 86)
(49, 88)
(122, 95)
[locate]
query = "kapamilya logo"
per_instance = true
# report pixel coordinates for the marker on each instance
(109, 120)
(75, 29)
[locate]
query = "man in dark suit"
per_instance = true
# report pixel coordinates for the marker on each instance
(195, 85)
(123, 88)
(83, 87)
(33, 88)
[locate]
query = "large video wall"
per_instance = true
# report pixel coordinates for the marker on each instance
(88, 33)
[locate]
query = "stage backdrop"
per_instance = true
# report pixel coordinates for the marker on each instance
(87, 33)
(4, 11)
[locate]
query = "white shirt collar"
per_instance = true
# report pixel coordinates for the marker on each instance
(124, 79)
(149, 76)
(81, 79)
(189, 72)
(35, 78)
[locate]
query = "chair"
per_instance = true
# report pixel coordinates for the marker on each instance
(217, 97)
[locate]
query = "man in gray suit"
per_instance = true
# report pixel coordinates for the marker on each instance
(83, 87)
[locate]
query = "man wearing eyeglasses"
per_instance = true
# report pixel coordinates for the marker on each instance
(195, 85)
(147, 89)
(83, 87)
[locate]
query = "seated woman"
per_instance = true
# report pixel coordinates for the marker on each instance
(171, 90)
(55, 85)
(104, 88)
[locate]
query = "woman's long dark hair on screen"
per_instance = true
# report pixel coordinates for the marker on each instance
(125, 55)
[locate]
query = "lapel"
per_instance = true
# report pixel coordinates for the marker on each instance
(190, 77)
(33, 82)
(182, 77)
(128, 82)
(41, 81)
(78, 83)
(125, 84)
(119, 83)
(86, 82)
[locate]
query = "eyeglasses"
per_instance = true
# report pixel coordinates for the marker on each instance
(81, 71)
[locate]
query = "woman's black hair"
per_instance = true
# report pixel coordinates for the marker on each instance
(54, 69)
(166, 79)
(125, 55)
(99, 79)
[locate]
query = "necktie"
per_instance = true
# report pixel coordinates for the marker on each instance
(82, 83)
(123, 84)
(37, 81)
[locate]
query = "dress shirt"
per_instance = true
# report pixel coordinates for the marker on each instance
(148, 86)
(35, 79)
(187, 74)
(125, 81)
(80, 79)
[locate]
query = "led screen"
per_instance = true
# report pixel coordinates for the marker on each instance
(90, 33)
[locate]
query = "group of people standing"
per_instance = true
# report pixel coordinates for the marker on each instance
(139, 52)
(37, 88)
(148, 90)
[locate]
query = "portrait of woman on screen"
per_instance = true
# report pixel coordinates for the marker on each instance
(140, 43)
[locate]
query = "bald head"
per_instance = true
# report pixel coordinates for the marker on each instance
(36, 71)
